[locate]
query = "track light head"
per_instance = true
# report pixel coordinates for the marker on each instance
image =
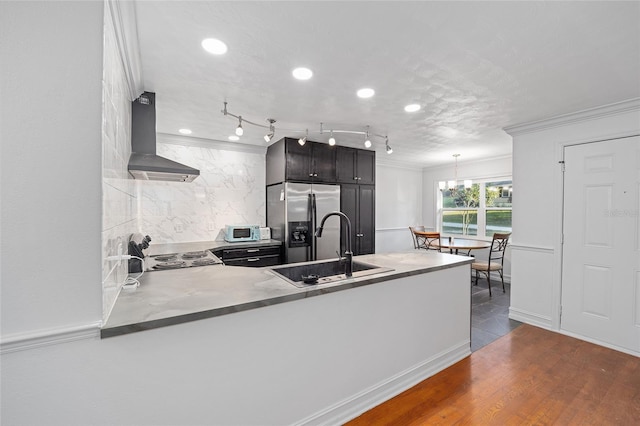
(387, 147)
(302, 141)
(239, 129)
(367, 141)
(272, 130)
(332, 140)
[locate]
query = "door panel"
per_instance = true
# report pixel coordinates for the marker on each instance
(349, 206)
(366, 215)
(601, 259)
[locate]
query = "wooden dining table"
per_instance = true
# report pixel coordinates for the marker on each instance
(456, 244)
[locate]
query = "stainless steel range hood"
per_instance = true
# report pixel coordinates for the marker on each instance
(144, 163)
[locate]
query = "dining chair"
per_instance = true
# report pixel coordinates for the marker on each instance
(495, 261)
(431, 241)
(417, 241)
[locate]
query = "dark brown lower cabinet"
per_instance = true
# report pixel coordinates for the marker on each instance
(358, 203)
(251, 256)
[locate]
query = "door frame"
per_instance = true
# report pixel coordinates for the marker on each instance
(558, 263)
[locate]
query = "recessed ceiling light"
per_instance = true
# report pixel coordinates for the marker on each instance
(234, 138)
(412, 108)
(185, 131)
(215, 46)
(302, 73)
(366, 93)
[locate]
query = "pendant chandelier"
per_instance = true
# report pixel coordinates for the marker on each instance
(452, 185)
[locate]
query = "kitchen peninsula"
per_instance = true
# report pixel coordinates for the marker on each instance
(332, 350)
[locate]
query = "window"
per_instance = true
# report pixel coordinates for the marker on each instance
(481, 209)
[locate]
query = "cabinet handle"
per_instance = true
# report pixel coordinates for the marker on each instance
(253, 250)
(359, 178)
(253, 259)
(315, 175)
(310, 174)
(355, 178)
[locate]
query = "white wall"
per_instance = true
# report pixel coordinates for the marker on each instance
(398, 194)
(537, 202)
(51, 109)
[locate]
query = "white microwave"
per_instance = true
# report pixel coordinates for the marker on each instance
(237, 233)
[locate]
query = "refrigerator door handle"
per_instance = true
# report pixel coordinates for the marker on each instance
(314, 225)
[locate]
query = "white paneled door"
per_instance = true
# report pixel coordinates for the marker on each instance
(601, 255)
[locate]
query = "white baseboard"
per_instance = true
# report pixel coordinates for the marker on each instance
(367, 399)
(31, 340)
(599, 342)
(531, 318)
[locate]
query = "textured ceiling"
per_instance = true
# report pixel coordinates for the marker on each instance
(474, 67)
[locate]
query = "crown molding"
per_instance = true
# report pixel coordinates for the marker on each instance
(169, 138)
(123, 16)
(575, 117)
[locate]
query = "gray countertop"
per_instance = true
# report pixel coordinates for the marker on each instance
(180, 295)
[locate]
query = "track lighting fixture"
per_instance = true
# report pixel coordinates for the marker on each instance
(239, 130)
(332, 141)
(272, 130)
(302, 141)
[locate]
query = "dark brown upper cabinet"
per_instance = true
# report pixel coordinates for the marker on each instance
(289, 161)
(356, 166)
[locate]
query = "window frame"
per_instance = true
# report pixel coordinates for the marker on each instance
(481, 209)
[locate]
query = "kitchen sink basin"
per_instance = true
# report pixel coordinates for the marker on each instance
(330, 271)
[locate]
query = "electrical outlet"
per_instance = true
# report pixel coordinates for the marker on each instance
(212, 226)
(179, 227)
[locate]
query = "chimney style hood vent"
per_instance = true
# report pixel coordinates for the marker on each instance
(144, 163)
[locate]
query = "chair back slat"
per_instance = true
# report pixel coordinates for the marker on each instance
(498, 246)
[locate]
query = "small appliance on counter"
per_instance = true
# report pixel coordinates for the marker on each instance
(137, 243)
(238, 233)
(265, 233)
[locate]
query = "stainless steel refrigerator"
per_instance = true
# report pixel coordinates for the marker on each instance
(294, 211)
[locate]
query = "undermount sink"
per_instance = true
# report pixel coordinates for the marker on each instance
(309, 274)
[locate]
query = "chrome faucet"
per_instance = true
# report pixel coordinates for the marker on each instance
(348, 254)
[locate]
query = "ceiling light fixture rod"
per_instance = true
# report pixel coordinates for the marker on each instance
(305, 131)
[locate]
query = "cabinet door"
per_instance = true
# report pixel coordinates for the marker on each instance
(298, 160)
(346, 165)
(366, 167)
(366, 235)
(323, 163)
(349, 206)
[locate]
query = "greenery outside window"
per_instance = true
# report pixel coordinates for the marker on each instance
(480, 209)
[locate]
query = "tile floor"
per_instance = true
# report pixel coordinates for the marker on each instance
(489, 315)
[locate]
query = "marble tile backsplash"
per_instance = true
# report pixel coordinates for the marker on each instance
(229, 190)
(119, 209)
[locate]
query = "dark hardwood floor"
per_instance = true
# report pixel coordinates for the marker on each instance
(529, 376)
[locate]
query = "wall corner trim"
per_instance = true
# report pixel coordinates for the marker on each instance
(123, 15)
(32, 340)
(574, 117)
